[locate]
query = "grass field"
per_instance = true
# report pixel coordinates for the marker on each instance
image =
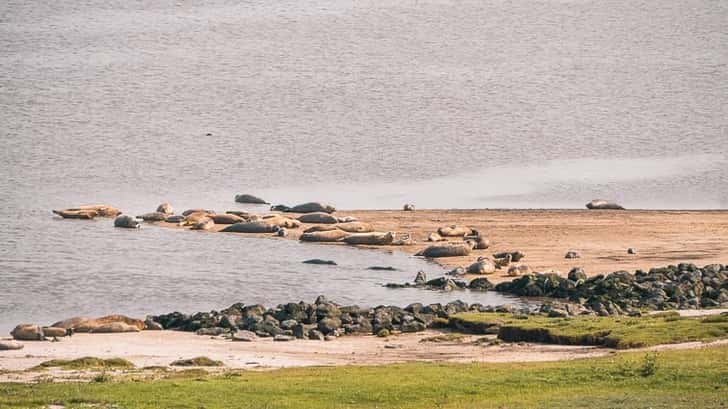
(671, 379)
(615, 332)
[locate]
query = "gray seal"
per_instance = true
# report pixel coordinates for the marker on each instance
(318, 218)
(324, 236)
(446, 250)
(251, 199)
(454, 231)
(312, 207)
(153, 217)
(251, 227)
(601, 204)
(127, 222)
(373, 239)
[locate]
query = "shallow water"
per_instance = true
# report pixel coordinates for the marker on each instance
(365, 104)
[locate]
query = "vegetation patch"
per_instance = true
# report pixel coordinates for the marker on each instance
(686, 379)
(197, 361)
(86, 363)
(614, 332)
(444, 338)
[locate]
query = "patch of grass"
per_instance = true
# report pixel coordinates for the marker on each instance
(444, 338)
(86, 363)
(197, 361)
(673, 379)
(614, 332)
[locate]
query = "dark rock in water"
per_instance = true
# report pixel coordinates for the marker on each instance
(572, 254)
(600, 204)
(246, 198)
(381, 268)
(480, 283)
(320, 262)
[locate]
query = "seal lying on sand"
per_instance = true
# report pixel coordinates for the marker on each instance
(251, 227)
(374, 239)
(600, 204)
(356, 227)
(94, 325)
(516, 256)
(194, 218)
(435, 237)
(165, 208)
(454, 231)
(239, 213)
(190, 211)
(324, 236)
(203, 224)
(176, 219)
(281, 221)
(482, 266)
(10, 345)
(153, 217)
(227, 218)
(76, 214)
(318, 217)
(101, 210)
(519, 269)
(27, 332)
(311, 207)
(321, 227)
(126, 222)
(446, 250)
(246, 198)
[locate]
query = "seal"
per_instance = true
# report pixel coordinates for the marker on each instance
(153, 217)
(203, 224)
(239, 213)
(76, 214)
(101, 209)
(196, 217)
(190, 211)
(374, 239)
(319, 261)
(165, 208)
(503, 261)
(126, 222)
(176, 219)
(318, 218)
(356, 227)
(601, 204)
(482, 266)
(311, 207)
(251, 227)
(321, 227)
(454, 231)
(519, 269)
(251, 199)
(408, 207)
(324, 236)
(446, 250)
(516, 256)
(27, 332)
(226, 218)
(281, 221)
(435, 237)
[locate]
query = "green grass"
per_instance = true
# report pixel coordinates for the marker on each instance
(673, 379)
(615, 332)
(86, 363)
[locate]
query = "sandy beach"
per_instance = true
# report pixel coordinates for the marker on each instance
(661, 237)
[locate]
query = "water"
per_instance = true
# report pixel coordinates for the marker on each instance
(365, 104)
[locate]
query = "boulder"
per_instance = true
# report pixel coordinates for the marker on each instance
(373, 239)
(600, 204)
(316, 335)
(251, 227)
(246, 198)
(480, 283)
(572, 254)
(244, 336)
(318, 218)
(408, 207)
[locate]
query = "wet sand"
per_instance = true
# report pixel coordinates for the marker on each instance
(601, 237)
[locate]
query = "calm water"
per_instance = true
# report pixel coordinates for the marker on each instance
(366, 104)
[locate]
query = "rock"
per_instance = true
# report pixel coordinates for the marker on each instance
(375, 239)
(329, 325)
(10, 345)
(631, 250)
(324, 236)
(420, 278)
(251, 227)
(27, 332)
(311, 207)
(284, 338)
(454, 231)
(246, 198)
(320, 262)
(577, 274)
(151, 325)
(318, 217)
(126, 222)
(244, 336)
(383, 333)
(599, 204)
(480, 283)
(413, 326)
(447, 250)
(408, 207)
(482, 266)
(572, 254)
